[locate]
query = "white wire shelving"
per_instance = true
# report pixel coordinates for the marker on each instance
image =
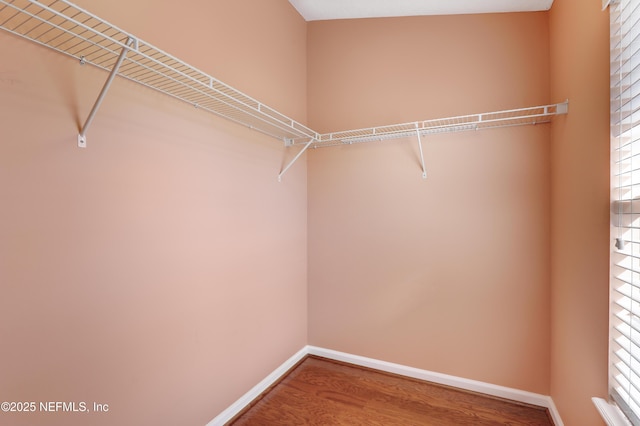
(73, 31)
(514, 117)
(65, 27)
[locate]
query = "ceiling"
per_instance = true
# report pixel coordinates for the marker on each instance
(317, 10)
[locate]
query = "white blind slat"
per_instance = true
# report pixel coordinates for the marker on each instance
(625, 209)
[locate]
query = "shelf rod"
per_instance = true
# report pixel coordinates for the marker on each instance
(424, 169)
(82, 137)
(312, 140)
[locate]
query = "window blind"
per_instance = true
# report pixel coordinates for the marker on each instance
(624, 379)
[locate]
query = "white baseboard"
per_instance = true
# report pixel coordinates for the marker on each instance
(553, 410)
(255, 392)
(416, 373)
(444, 379)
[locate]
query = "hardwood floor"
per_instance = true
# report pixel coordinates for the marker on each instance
(325, 392)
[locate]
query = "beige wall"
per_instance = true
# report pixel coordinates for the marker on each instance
(371, 72)
(161, 270)
(449, 274)
(580, 209)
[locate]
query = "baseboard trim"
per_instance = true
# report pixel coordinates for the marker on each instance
(416, 373)
(258, 389)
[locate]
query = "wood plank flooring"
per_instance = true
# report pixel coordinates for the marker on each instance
(325, 392)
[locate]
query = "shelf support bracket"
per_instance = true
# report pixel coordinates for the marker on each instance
(424, 169)
(82, 137)
(288, 166)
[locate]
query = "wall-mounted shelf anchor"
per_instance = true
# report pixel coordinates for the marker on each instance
(82, 137)
(561, 108)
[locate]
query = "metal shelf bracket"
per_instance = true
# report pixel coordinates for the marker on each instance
(424, 169)
(82, 137)
(288, 166)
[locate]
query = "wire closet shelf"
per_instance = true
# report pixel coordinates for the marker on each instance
(67, 28)
(514, 117)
